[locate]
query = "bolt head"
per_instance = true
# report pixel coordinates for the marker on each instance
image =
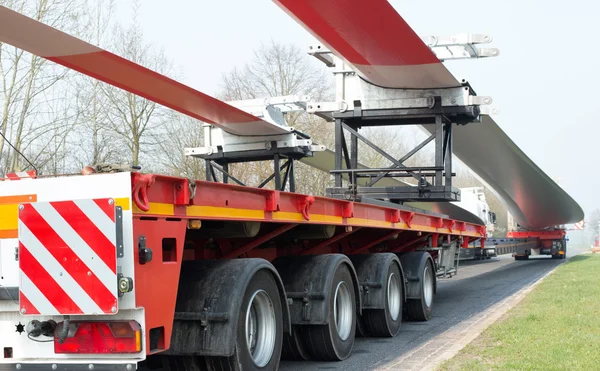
(111, 201)
(129, 367)
(23, 310)
(124, 285)
(91, 366)
(18, 366)
(54, 366)
(113, 309)
(21, 207)
(89, 273)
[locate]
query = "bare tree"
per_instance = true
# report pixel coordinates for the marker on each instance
(61, 120)
(279, 70)
(276, 70)
(131, 118)
(28, 82)
(178, 133)
(594, 222)
(93, 139)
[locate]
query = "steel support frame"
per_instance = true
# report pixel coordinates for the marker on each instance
(283, 174)
(434, 183)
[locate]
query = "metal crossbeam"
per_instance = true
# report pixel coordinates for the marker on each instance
(460, 46)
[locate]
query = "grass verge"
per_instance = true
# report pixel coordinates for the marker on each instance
(556, 327)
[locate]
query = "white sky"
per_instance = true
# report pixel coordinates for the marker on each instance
(545, 82)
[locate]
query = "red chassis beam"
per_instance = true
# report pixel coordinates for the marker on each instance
(171, 196)
(556, 234)
(544, 238)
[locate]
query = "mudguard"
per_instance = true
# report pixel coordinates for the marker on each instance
(208, 305)
(413, 264)
(307, 280)
(372, 277)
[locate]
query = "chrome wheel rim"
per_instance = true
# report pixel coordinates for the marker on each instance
(261, 328)
(427, 286)
(393, 295)
(342, 310)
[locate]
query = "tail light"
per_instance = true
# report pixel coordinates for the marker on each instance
(94, 337)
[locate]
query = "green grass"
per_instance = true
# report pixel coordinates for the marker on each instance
(556, 327)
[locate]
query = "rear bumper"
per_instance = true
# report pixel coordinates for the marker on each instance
(68, 366)
(18, 352)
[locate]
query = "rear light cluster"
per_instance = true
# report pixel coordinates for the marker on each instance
(94, 337)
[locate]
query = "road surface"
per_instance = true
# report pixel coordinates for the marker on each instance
(478, 285)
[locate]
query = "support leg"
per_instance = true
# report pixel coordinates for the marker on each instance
(439, 149)
(277, 172)
(448, 155)
(338, 151)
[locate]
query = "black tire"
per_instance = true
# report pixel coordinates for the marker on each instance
(186, 363)
(419, 309)
(323, 342)
(294, 348)
(262, 281)
(361, 329)
(381, 322)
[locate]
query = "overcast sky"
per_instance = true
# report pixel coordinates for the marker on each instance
(544, 82)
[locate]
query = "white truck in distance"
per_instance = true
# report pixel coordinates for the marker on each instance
(473, 199)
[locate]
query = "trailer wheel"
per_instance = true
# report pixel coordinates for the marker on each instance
(259, 329)
(334, 341)
(420, 309)
(386, 322)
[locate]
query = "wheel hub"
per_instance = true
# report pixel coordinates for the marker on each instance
(261, 328)
(342, 310)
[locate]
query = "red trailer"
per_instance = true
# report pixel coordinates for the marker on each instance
(197, 262)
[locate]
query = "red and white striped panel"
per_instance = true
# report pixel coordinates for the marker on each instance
(68, 257)
(373, 38)
(22, 175)
(579, 226)
(59, 47)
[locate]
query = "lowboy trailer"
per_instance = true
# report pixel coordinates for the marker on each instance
(100, 271)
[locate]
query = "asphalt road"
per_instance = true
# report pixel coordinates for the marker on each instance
(478, 285)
